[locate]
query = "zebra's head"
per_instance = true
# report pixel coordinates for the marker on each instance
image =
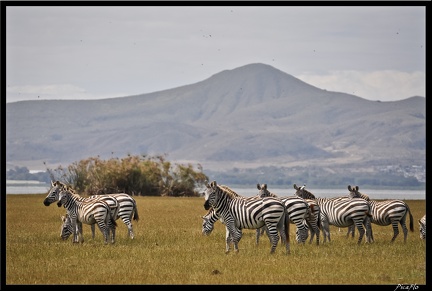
(355, 193)
(210, 195)
(263, 192)
(53, 194)
(66, 227)
(302, 192)
(63, 196)
(422, 227)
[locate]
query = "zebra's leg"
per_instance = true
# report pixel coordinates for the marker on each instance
(93, 230)
(368, 225)
(130, 229)
(404, 229)
(395, 230)
(228, 240)
(75, 227)
(112, 227)
(102, 224)
(361, 231)
(326, 229)
(273, 236)
(283, 234)
(258, 233)
(236, 236)
(80, 235)
(128, 222)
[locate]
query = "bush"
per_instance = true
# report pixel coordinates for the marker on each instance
(135, 175)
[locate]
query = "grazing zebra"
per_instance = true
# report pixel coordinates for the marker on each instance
(298, 211)
(239, 214)
(341, 212)
(66, 228)
(422, 227)
(55, 195)
(388, 212)
(88, 212)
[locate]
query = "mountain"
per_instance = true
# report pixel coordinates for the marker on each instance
(251, 116)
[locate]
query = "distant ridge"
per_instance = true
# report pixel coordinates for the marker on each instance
(249, 116)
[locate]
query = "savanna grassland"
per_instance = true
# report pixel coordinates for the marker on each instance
(169, 249)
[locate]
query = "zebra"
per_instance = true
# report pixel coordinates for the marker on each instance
(388, 212)
(351, 229)
(53, 195)
(298, 211)
(422, 227)
(88, 212)
(66, 228)
(111, 201)
(239, 214)
(341, 212)
(127, 210)
(211, 217)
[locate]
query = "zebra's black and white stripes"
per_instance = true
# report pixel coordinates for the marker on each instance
(127, 209)
(81, 210)
(239, 214)
(341, 212)
(422, 227)
(388, 212)
(298, 211)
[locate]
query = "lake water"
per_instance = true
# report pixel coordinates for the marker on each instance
(35, 187)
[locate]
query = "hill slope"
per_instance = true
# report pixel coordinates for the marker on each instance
(250, 116)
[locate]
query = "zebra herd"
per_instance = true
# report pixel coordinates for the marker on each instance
(102, 210)
(264, 212)
(268, 212)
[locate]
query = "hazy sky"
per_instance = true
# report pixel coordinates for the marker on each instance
(56, 52)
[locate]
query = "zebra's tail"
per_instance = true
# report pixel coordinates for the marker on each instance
(287, 224)
(411, 220)
(135, 215)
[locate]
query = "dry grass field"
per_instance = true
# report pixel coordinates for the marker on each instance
(169, 249)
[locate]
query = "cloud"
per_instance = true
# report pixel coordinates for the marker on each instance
(386, 85)
(53, 92)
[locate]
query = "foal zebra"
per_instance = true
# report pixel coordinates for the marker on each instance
(422, 227)
(55, 194)
(299, 214)
(341, 212)
(88, 212)
(239, 214)
(388, 212)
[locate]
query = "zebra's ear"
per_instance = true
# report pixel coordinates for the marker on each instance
(265, 186)
(349, 188)
(213, 184)
(357, 188)
(258, 186)
(295, 186)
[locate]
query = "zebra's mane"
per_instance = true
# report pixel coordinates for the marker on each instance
(308, 193)
(228, 191)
